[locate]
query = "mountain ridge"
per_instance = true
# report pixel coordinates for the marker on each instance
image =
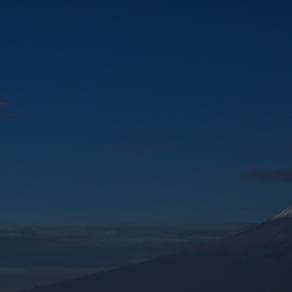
(283, 214)
(258, 259)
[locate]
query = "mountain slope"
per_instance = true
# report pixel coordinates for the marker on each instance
(257, 260)
(284, 214)
(217, 272)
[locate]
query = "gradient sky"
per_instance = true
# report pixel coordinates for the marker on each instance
(147, 111)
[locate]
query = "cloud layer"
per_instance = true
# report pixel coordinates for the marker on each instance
(4, 105)
(272, 175)
(5, 109)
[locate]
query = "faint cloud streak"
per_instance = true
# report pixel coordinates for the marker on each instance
(6, 109)
(270, 175)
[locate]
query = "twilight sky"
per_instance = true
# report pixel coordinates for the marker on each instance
(147, 111)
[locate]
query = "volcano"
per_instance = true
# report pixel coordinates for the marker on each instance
(258, 259)
(287, 213)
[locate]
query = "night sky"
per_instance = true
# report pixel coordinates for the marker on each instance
(145, 111)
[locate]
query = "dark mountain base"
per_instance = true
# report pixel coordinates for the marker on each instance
(189, 273)
(259, 260)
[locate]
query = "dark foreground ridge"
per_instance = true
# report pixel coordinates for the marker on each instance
(256, 260)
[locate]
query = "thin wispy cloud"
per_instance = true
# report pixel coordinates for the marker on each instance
(4, 105)
(6, 109)
(281, 175)
(270, 175)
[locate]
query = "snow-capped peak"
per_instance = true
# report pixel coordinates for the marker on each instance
(284, 214)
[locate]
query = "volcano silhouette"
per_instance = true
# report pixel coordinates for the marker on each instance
(255, 260)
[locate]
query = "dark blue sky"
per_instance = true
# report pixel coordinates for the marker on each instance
(143, 112)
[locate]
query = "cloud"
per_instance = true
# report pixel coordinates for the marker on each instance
(4, 105)
(270, 175)
(6, 109)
